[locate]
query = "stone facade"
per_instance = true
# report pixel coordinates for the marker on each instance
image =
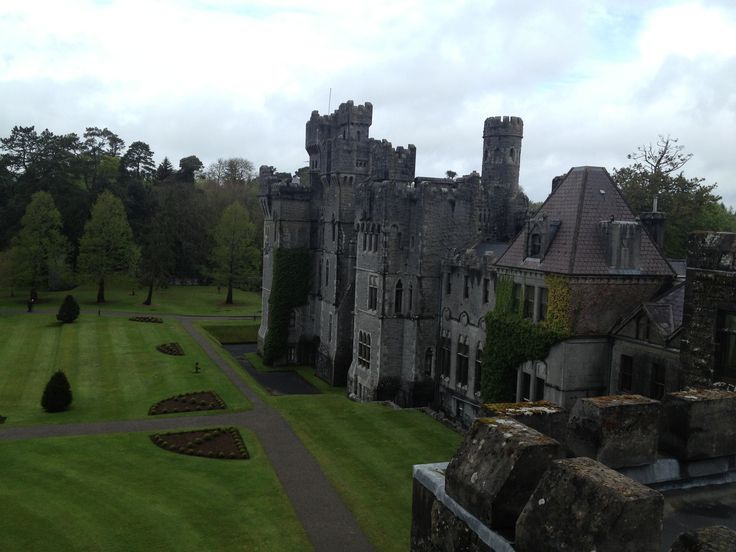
(404, 271)
(384, 246)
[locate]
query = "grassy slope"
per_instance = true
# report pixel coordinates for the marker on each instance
(229, 332)
(174, 300)
(112, 365)
(90, 493)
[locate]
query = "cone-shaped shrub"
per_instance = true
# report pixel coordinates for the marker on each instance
(69, 310)
(58, 394)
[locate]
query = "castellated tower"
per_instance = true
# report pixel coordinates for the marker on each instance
(507, 205)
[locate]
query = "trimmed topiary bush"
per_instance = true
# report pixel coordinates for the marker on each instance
(68, 311)
(57, 396)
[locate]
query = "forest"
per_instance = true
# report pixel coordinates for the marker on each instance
(87, 207)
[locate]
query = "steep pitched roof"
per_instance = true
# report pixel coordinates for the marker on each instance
(665, 312)
(584, 198)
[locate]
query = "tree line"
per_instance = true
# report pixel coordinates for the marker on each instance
(74, 208)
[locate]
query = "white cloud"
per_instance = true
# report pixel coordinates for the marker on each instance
(219, 78)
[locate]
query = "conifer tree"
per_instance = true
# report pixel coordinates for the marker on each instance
(68, 311)
(57, 396)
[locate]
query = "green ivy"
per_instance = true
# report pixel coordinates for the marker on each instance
(510, 341)
(289, 289)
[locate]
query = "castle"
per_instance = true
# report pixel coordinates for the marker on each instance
(405, 268)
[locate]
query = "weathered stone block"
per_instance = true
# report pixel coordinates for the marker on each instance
(708, 539)
(497, 467)
(617, 430)
(698, 424)
(581, 505)
(544, 416)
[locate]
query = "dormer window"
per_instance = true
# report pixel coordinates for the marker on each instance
(535, 245)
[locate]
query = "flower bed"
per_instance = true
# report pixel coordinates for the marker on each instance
(188, 402)
(223, 443)
(170, 349)
(150, 319)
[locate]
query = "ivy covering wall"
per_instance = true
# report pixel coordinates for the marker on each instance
(512, 339)
(289, 289)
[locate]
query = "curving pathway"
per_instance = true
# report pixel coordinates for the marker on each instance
(324, 516)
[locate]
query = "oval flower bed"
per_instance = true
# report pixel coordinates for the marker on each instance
(224, 443)
(188, 402)
(170, 349)
(151, 319)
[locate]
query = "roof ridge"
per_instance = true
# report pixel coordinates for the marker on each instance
(578, 218)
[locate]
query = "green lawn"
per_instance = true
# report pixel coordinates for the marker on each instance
(172, 300)
(122, 493)
(234, 332)
(112, 364)
(367, 451)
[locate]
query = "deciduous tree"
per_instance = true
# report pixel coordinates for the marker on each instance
(235, 255)
(40, 247)
(107, 245)
(688, 203)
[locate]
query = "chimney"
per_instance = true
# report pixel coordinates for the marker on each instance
(653, 223)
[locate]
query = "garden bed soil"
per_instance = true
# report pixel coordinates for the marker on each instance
(150, 319)
(170, 349)
(221, 443)
(188, 402)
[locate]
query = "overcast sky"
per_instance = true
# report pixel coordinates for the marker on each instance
(218, 78)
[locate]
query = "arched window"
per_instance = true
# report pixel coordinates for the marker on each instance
(398, 297)
(478, 368)
(428, 359)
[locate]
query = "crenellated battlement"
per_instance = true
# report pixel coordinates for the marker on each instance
(503, 126)
(389, 163)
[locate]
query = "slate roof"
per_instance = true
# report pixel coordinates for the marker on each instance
(586, 196)
(665, 312)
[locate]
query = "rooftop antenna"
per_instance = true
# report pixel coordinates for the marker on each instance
(329, 101)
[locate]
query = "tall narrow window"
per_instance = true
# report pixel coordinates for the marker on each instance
(535, 245)
(726, 345)
(428, 358)
(329, 330)
(327, 273)
(372, 292)
(516, 297)
(462, 361)
(478, 368)
(526, 387)
(538, 389)
(319, 278)
(411, 298)
(445, 355)
(542, 304)
(448, 283)
(486, 290)
(658, 381)
(626, 373)
(364, 349)
(398, 297)
(529, 302)
(466, 287)
(365, 240)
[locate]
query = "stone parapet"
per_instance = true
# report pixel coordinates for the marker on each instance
(497, 467)
(544, 416)
(708, 539)
(699, 424)
(616, 430)
(580, 505)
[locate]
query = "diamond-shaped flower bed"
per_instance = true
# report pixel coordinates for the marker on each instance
(151, 319)
(170, 349)
(188, 402)
(223, 443)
